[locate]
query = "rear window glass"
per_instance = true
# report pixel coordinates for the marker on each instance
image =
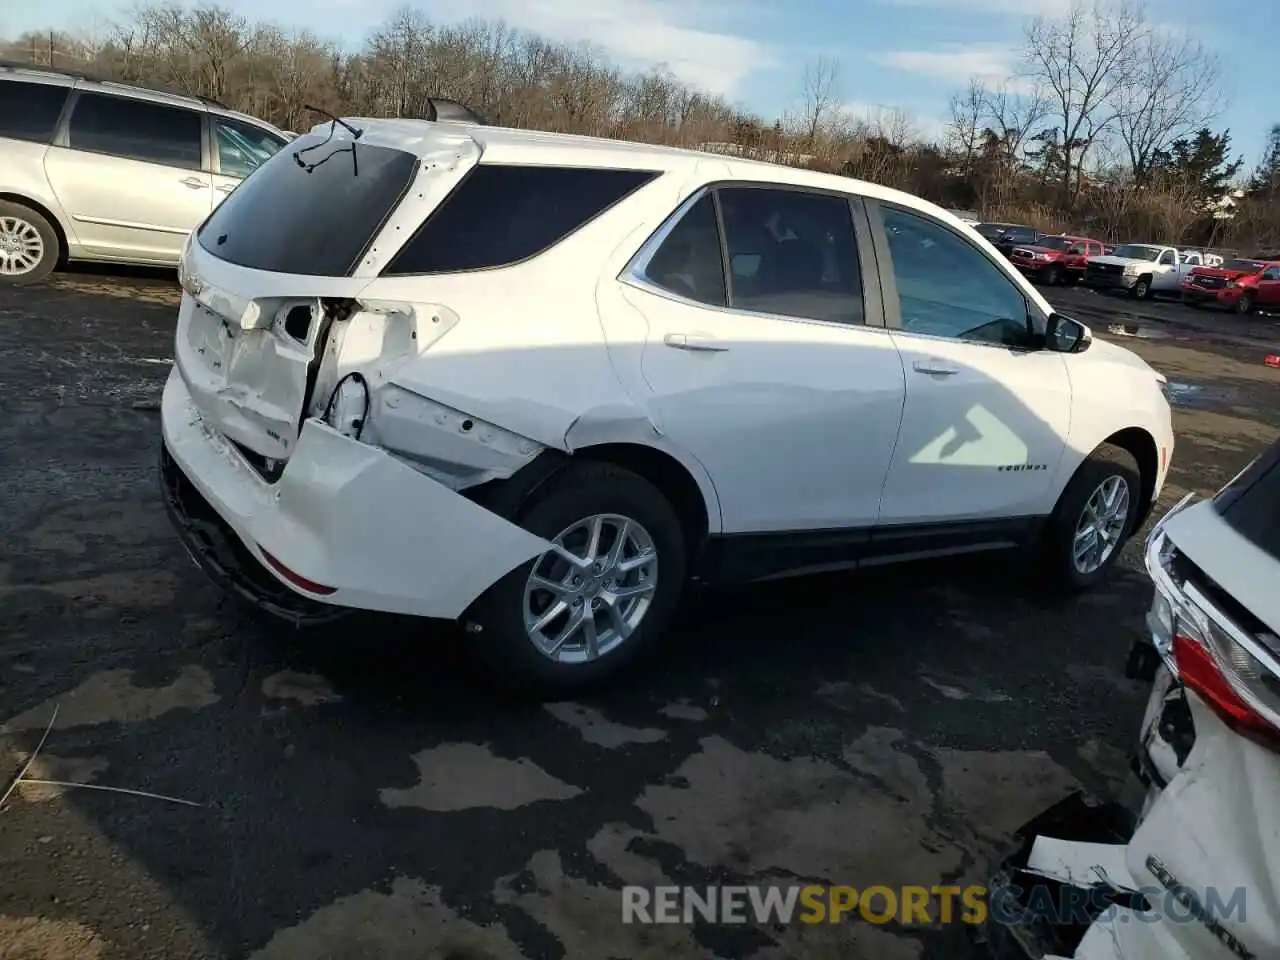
(30, 111)
(501, 214)
(311, 209)
(1250, 504)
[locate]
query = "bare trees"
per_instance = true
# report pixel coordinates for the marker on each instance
(1171, 90)
(820, 96)
(1081, 61)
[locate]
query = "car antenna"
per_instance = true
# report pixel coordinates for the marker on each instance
(334, 121)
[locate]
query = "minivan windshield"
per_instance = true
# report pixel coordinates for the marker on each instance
(1250, 504)
(312, 209)
(1136, 251)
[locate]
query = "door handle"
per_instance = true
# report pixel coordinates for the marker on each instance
(933, 365)
(195, 183)
(688, 341)
(225, 189)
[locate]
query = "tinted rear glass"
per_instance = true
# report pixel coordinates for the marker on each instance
(311, 209)
(504, 213)
(30, 111)
(1250, 504)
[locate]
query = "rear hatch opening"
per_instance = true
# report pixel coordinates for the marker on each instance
(281, 263)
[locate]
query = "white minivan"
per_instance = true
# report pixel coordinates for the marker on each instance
(91, 169)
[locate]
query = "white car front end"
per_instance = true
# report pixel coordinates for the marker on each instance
(1197, 877)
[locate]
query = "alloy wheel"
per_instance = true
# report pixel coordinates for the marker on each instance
(21, 247)
(589, 593)
(1101, 525)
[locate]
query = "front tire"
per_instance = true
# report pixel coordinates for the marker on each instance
(1092, 521)
(1244, 306)
(1142, 289)
(580, 614)
(29, 246)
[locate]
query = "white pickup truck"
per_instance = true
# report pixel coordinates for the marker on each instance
(1142, 269)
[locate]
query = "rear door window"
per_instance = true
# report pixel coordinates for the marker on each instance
(502, 214)
(30, 111)
(311, 209)
(136, 130)
(791, 253)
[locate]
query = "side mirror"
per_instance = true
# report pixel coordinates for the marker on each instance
(1066, 335)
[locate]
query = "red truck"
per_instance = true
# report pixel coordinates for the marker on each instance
(1055, 260)
(1237, 285)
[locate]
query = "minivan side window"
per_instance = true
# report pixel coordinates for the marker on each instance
(947, 288)
(501, 214)
(30, 111)
(136, 130)
(791, 253)
(242, 147)
(689, 263)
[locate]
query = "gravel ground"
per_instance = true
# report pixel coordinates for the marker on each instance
(372, 796)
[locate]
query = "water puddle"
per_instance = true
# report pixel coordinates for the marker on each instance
(1194, 395)
(1139, 330)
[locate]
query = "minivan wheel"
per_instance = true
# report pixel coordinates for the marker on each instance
(587, 608)
(29, 248)
(1092, 521)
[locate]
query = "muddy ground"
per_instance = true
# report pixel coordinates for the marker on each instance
(372, 796)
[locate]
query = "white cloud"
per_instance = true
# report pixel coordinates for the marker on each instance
(991, 63)
(636, 34)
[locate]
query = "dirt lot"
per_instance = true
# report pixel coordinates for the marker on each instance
(372, 797)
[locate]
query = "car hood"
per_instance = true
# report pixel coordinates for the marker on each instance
(1036, 248)
(1220, 272)
(1119, 261)
(1114, 353)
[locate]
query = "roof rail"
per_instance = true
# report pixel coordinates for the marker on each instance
(438, 108)
(76, 73)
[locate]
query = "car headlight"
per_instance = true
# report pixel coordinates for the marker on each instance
(1130, 269)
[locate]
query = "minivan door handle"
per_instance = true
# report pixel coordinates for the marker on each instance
(195, 183)
(936, 367)
(694, 341)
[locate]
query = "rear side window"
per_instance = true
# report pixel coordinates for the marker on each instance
(136, 130)
(311, 209)
(30, 111)
(502, 214)
(689, 263)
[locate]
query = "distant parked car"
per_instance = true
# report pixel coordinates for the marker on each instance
(1056, 260)
(95, 170)
(1142, 269)
(1237, 285)
(1005, 236)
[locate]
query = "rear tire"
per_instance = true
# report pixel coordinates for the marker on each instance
(29, 246)
(1084, 504)
(499, 621)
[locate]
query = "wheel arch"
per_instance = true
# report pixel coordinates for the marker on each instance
(54, 220)
(1142, 446)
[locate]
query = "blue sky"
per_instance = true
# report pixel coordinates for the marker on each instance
(898, 54)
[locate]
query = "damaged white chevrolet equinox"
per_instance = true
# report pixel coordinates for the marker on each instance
(536, 383)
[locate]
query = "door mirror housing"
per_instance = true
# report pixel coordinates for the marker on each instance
(1066, 335)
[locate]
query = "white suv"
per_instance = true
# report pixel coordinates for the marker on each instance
(95, 170)
(536, 382)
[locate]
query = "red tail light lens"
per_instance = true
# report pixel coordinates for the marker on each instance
(1230, 680)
